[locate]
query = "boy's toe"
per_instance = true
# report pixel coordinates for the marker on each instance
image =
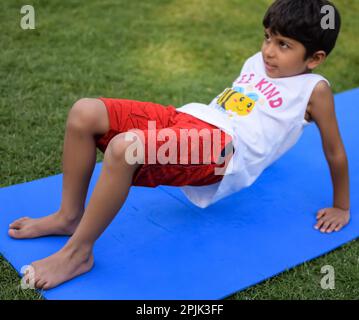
(12, 233)
(39, 280)
(40, 284)
(46, 286)
(17, 233)
(18, 223)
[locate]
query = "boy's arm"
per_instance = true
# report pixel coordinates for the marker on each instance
(322, 111)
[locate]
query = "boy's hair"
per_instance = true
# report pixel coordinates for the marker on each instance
(301, 21)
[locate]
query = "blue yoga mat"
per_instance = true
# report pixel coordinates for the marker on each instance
(160, 246)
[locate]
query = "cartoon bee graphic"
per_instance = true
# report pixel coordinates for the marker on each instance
(235, 100)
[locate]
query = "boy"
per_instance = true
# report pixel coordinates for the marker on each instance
(263, 115)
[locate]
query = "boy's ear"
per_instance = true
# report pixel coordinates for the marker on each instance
(316, 59)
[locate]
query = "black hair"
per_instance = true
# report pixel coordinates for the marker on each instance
(301, 21)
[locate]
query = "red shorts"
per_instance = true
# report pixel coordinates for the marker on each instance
(125, 115)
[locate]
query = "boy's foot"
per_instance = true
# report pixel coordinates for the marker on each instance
(59, 267)
(54, 224)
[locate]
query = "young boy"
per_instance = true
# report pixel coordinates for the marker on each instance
(262, 115)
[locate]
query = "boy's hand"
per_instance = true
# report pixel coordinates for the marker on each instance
(332, 219)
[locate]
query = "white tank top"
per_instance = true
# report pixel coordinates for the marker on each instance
(265, 118)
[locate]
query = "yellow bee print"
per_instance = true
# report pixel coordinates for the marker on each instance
(235, 100)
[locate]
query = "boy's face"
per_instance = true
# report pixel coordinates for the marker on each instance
(284, 57)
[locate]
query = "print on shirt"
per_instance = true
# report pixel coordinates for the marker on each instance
(264, 86)
(236, 101)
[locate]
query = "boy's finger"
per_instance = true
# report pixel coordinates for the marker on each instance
(325, 226)
(321, 213)
(338, 227)
(331, 227)
(319, 224)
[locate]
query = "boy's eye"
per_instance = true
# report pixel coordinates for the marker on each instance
(283, 44)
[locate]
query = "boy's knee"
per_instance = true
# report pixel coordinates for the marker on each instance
(84, 113)
(118, 151)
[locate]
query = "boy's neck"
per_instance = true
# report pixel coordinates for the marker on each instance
(307, 71)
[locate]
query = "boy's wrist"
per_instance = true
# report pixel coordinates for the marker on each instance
(344, 208)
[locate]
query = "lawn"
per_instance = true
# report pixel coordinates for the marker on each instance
(165, 51)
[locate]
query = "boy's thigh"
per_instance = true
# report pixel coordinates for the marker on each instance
(125, 115)
(154, 175)
(166, 163)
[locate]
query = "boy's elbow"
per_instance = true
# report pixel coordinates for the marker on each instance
(334, 152)
(336, 157)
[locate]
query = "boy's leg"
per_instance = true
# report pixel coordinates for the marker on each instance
(87, 118)
(108, 197)
(91, 123)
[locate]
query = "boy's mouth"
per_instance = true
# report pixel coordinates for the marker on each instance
(269, 66)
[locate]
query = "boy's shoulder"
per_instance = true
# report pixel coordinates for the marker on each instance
(321, 90)
(320, 99)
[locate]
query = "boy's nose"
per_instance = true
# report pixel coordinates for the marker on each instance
(268, 54)
(268, 51)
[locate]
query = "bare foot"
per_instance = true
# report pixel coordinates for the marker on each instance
(54, 224)
(332, 219)
(59, 267)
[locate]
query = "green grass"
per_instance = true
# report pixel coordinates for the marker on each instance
(165, 51)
